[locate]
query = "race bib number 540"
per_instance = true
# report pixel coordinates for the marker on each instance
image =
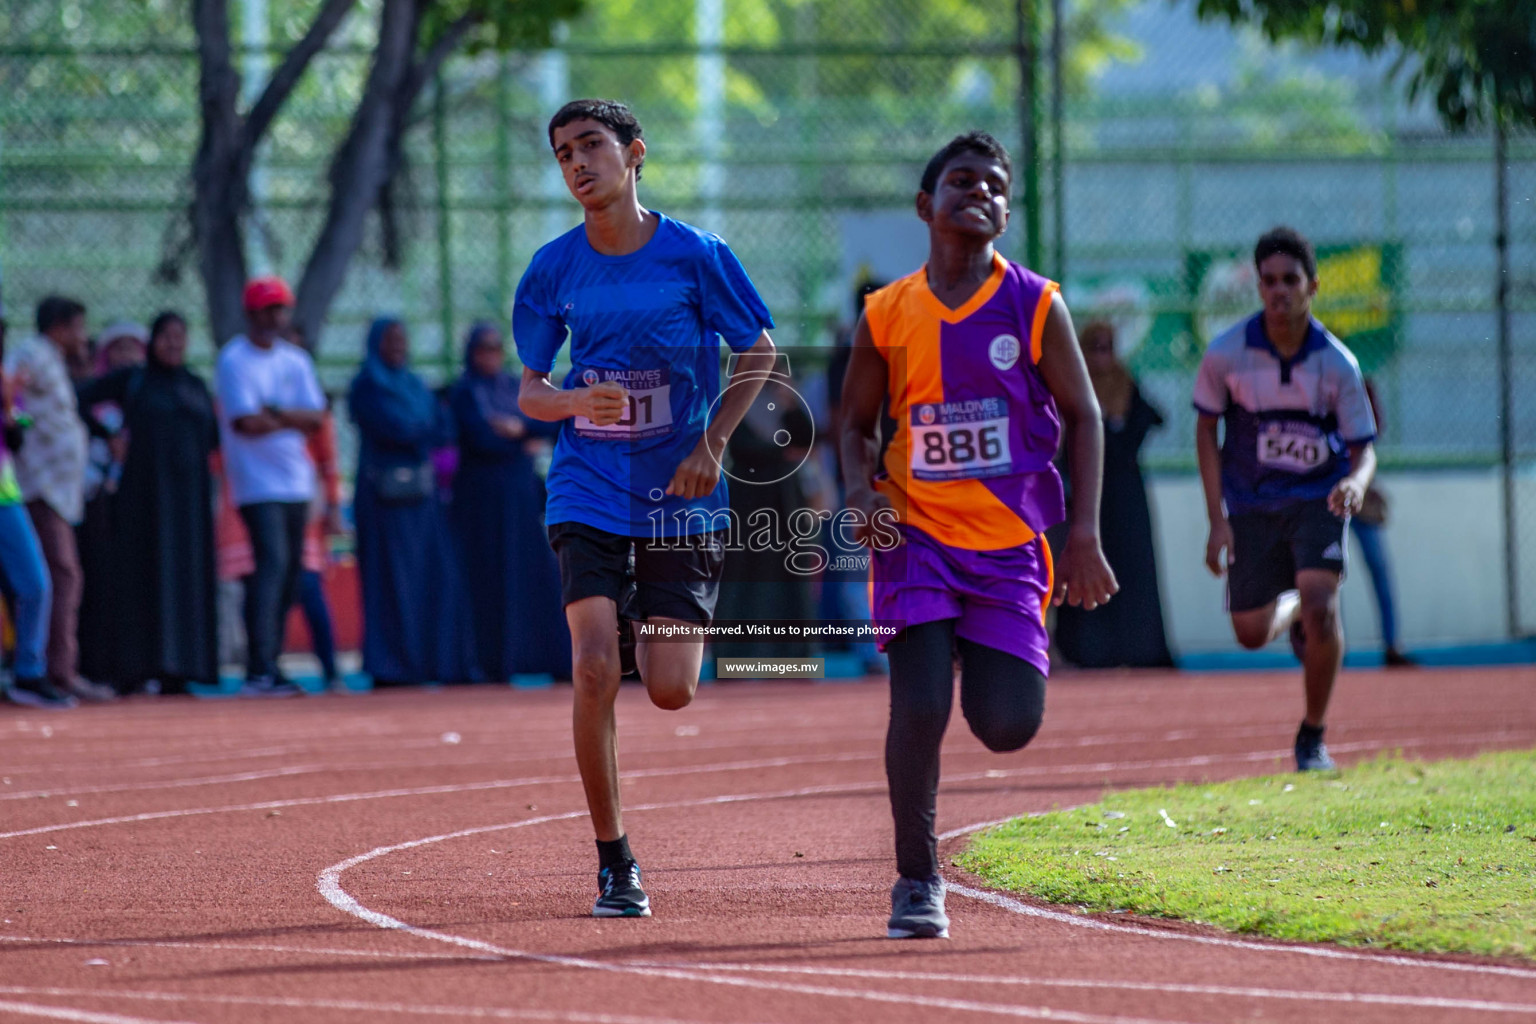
(648, 413)
(960, 440)
(1292, 446)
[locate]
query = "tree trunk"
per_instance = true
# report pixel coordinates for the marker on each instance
(219, 174)
(362, 166)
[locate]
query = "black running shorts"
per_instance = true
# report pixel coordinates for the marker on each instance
(1270, 548)
(677, 578)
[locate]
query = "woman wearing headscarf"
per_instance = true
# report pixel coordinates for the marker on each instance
(162, 520)
(404, 558)
(1127, 631)
(120, 345)
(512, 578)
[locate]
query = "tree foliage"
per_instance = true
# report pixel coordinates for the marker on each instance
(1475, 58)
(410, 41)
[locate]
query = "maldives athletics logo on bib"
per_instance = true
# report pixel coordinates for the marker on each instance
(1004, 351)
(925, 415)
(589, 377)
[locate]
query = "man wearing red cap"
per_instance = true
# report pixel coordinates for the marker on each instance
(270, 399)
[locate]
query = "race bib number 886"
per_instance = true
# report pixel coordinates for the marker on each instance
(960, 440)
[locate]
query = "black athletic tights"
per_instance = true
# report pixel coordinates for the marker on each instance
(1002, 697)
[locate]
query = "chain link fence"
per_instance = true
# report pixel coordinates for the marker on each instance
(799, 135)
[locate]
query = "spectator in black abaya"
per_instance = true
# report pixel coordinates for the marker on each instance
(498, 514)
(411, 602)
(1127, 631)
(162, 523)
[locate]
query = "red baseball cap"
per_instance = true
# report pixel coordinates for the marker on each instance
(262, 292)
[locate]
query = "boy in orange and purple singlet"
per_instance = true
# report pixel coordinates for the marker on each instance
(976, 355)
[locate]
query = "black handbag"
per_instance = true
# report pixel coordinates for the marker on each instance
(405, 485)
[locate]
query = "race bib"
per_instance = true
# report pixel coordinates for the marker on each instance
(649, 413)
(960, 440)
(1292, 446)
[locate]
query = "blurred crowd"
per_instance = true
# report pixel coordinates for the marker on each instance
(152, 521)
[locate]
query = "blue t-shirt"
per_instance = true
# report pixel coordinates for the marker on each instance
(652, 321)
(1289, 423)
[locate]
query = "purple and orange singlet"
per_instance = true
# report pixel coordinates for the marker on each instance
(977, 428)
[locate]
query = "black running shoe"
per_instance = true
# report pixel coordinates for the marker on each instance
(917, 909)
(619, 892)
(268, 687)
(39, 693)
(1311, 752)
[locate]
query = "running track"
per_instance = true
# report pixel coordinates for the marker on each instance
(344, 859)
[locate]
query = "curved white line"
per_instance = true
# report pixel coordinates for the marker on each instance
(329, 886)
(1300, 995)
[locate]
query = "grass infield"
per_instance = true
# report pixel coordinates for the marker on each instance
(1436, 857)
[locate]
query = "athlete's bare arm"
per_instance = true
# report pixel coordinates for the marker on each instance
(864, 388)
(1349, 494)
(1083, 575)
(698, 474)
(538, 398)
(1208, 448)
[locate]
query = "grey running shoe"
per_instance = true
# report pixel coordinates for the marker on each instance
(1311, 753)
(87, 692)
(39, 693)
(619, 892)
(917, 909)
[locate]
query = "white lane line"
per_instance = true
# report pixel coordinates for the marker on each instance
(329, 886)
(1300, 995)
(484, 1012)
(135, 787)
(1324, 952)
(1099, 768)
(460, 787)
(215, 947)
(83, 1016)
(1327, 952)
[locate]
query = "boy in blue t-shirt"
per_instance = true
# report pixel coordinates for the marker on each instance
(634, 489)
(1294, 466)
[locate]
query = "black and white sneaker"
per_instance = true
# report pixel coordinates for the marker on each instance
(619, 892)
(1311, 751)
(39, 693)
(917, 909)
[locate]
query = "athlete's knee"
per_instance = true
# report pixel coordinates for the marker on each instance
(671, 694)
(1320, 619)
(1252, 633)
(1003, 734)
(594, 673)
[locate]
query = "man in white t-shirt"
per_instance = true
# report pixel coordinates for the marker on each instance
(269, 400)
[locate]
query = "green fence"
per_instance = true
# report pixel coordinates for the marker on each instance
(799, 136)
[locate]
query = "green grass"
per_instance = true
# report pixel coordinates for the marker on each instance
(1434, 857)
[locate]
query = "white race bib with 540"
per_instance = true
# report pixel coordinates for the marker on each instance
(960, 440)
(648, 412)
(1292, 446)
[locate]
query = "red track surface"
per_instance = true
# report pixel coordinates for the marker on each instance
(340, 859)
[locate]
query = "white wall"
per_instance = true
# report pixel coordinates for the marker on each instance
(1444, 539)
